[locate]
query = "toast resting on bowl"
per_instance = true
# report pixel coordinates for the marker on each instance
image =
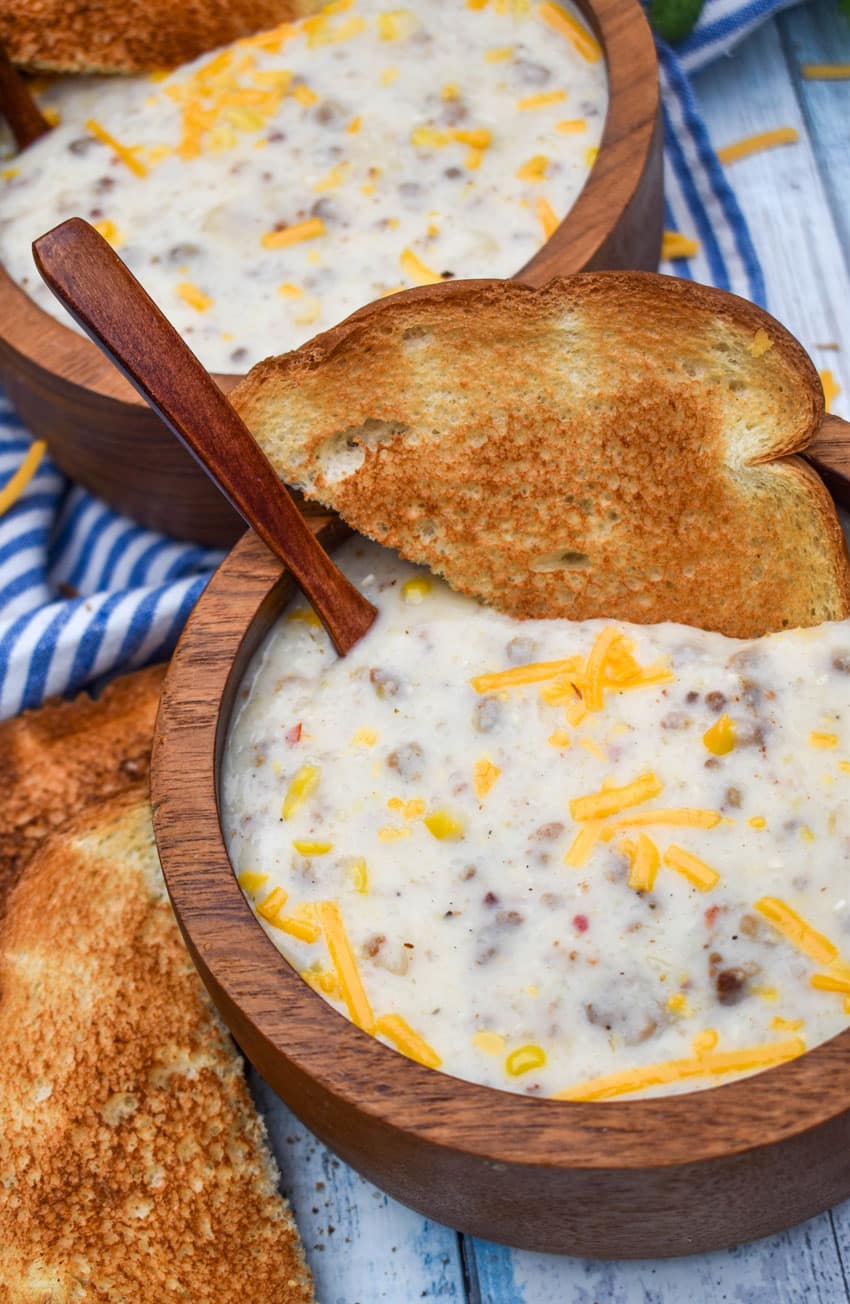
(616, 444)
(133, 1165)
(81, 37)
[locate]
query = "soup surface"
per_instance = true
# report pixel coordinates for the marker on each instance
(569, 859)
(262, 193)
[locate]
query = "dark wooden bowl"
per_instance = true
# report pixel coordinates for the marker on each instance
(104, 436)
(634, 1179)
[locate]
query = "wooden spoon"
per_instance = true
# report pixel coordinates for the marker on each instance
(101, 293)
(829, 454)
(17, 106)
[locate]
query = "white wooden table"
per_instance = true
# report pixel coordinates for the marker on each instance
(362, 1246)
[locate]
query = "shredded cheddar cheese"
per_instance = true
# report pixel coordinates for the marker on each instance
(676, 245)
(249, 881)
(194, 297)
(304, 929)
(534, 169)
(17, 483)
(399, 1032)
(796, 930)
(540, 101)
(534, 672)
(610, 801)
(715, 1064)
(560, 738)
(365, 737)
(110, 232)
(565, 25)
(126, 154)
(416, 270)
(359, 874)
(571, 126)
(753, 144)
(823, 741)
(696, 871)
(831, 389)
(345, 967)
(270, 908)
(310, 229)
(549, 220)
(484, 775)
(826, 71)
(490, 1042)
(583, 844)
(644, 865)
(689, 817)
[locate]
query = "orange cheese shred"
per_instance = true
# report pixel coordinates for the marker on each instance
(345, 967)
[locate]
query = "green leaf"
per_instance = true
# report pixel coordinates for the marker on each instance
(674, 19)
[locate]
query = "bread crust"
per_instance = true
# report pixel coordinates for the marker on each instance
(105, 36)
(614, 444)
(55, 760)
(133, 1165)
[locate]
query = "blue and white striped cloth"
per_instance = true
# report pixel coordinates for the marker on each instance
(85, 593)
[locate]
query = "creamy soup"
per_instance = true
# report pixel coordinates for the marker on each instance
(580, 860)
(264, 192)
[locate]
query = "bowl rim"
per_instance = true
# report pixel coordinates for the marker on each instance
(296, 1026)
(625, 149)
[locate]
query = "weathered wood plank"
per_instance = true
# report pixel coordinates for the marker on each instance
(362, 1246)
(812, 34)
(798, 1267)
(783, 196)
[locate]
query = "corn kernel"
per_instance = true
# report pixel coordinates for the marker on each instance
(490, 1042)
(720, 738)
(110, 232)
(444, 826)
(678, 1004)
(757, 822)
(359, 874)
(307, 848)
(823, 740)
(249, 881)
(194, 297)
(534, 169)
(704, 1041)
(416, 589)
(303, 785)
(304, 614)
(524, 1059)
(560, 738)
(365, 737)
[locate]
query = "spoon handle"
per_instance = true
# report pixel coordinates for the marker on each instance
(829, 454)
(26, 120)
(104, 297)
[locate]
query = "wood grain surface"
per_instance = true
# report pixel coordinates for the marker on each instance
(605, 1180)
(100, 432)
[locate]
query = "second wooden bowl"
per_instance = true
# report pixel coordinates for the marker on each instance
(102, 434)
(633, 1179)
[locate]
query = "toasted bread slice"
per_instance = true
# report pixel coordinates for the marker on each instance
(133, 1166)
(617, 444)
(115, 37)
(55, 760)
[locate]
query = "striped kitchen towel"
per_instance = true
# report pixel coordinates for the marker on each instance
(85, 593)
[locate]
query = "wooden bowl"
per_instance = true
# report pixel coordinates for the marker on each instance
(634, 1179)
(102, 434)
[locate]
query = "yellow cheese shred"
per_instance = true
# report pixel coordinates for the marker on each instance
(599, 805)
(565, 25)
(753, 144)
(125, 153)
(534, 672)
(676, 245)
(796, 930)
(15, 486)
(304, 929)
(534, 169)
(272, 906)
(595, 668)
(303, 785)
(345, 967)
(295, 234)
(710, 1064)
(250, 881)
(644, 866)
(831, 389)
(416, 270)
(540, 101)
(823, 740)
(571, 126)
(194, 297)
(826, 71)
(689, 817)
(696, 871)
(399, 1032)
(583, 844)
(484, 775)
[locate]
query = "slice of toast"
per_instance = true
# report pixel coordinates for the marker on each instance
(55, 760)
(78, 36)
(133, 1166)
(616, 444)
